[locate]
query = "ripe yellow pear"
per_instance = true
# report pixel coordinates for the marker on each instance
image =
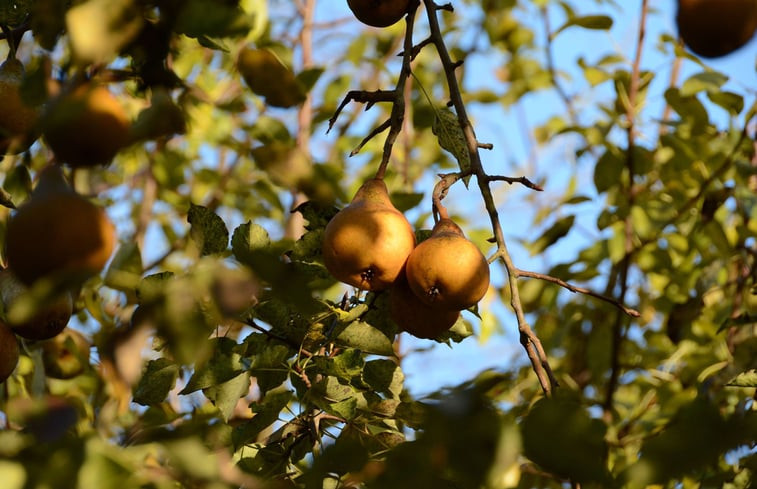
(268, 77)
(415, 316)
(9, 352)
(86, 126)
(714, 28)
(366, 243)
(379, 13)
(58, 233)
(447, 270)
(44, 323)
(17, 119)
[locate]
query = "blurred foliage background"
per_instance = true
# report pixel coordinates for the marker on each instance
(224, 355)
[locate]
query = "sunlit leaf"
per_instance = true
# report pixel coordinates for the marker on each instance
(744, 379)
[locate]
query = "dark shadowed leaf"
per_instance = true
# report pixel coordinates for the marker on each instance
(207, 230)
(158, 379)
(560, 436)
(552, 235)
(225, 395)
(365, 337)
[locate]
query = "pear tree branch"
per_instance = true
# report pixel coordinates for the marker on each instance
(396, 97)
(528, 338)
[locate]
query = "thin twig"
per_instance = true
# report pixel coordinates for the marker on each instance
(511, 180)
(580, 290)
(397, 116)
(363, 96)
(375, 132)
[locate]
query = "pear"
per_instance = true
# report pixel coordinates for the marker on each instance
(714, 28)
(66, 355)
(379, 13)
(58, 232)
(9, 352)
(86, 126)
(416, 317)
(447, 270)
(366, 243)
(46, 322)
(17, 119)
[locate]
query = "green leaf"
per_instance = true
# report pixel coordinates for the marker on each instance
(157, 381)
(706, 81)
(384, 376)
(213, 19)
(404, 201)
(744, 379)
(552, 235)
(18, 183)
(608, 171)
(345, 409)
(153, 286)
(248, 238)
(344, 366)
(451, 137)
(125, 269)
(269, 360)
(224, 364)
(365, 337)
(309, 77)
(595, 22)
(560, 436)
(266, 411)
(207, 230)
(732, 102)
(696, 437)
(6, 199)
(225, 396)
